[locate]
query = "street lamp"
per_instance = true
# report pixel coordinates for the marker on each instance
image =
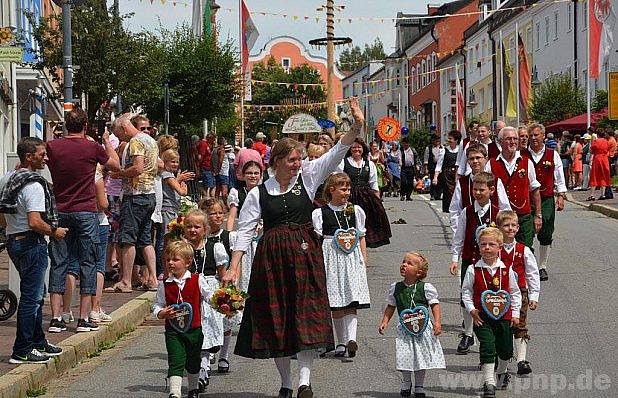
(536, 83)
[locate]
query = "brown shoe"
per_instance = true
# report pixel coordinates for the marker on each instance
(304, 392)
(352, 348)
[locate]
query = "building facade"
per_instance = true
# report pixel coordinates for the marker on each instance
(290, 52)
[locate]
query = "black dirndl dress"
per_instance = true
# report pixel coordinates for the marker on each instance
(449, 171)
(287, 310)
(377, 224)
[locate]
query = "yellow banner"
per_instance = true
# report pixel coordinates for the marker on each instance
(612, 95)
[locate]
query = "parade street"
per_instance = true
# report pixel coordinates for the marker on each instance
(572, 351)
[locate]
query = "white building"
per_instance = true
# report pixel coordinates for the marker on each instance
(448, 110)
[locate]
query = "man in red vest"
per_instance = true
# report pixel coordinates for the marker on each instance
(549, 173)
(519, 178)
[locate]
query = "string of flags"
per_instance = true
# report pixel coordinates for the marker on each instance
(288, 85)
(310, 105)
(351, 19)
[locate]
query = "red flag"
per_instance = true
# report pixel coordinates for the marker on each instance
(601, 19)
(249, 34)
(524, 79)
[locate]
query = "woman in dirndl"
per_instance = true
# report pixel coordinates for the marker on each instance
(366, 193)
(446, 168)
(287, 311)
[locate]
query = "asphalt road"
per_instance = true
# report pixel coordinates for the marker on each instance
(572, 352)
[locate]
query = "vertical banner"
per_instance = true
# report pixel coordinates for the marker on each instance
(461, 104)
(612, 95)
(601, 20)
(525, 82)
(247, 90)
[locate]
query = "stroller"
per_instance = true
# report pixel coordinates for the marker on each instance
(8, 299)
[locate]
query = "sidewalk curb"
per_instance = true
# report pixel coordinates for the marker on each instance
(603, 209)
(77, 347)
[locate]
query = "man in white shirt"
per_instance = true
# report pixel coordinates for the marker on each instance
(548, 168)
(23, 200)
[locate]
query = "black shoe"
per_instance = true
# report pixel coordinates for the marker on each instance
(503, 380)
(57, 326)
(352, 348)
(226, 365)
(173, 396)
(408, 199)
(489, 391)
(419, 395)
(285, 393)
(464, 345)
(34, 356)
(340, 353)
(194, 394)
(304, 392)
(202, 384)
(402, 198)
(406, 392)
(523, 368)
(49, 349)
(543, 274)
(84, 326)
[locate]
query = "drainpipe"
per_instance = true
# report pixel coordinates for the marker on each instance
(575, 30)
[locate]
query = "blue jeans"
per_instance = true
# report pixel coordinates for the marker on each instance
(80, 242)
(101, 250)
(29, 255)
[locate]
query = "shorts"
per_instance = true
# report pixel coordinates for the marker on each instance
(101, 250)
(113, 215)
(136, 223)
(208, 179)
(566, 163)
(223, 180)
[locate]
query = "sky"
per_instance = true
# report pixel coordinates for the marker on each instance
(149, 15)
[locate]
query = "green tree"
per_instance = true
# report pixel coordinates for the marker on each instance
(558, 98)
(600, 101)
(292, 92)
(353, 58)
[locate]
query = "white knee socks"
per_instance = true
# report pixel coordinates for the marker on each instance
(283, 366)
(502, 366)
(225, 348)
(176, 385)
(488, 373)
(305, 361)
(205, 362)
(340, 331)
(468, 324)
(351, 323)
(520, 347)
(543, 256)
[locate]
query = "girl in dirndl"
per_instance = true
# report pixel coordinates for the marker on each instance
(287, 311)
(217, 249)
(415, 352)
(366, 193)
(252, 172)
(195, 225)
(345, 259)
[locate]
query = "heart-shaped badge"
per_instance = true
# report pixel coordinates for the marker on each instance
(345, 239)
(414, 320)
(495, 303)
(184, 316)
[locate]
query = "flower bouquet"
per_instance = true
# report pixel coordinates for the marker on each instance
(186, 204)
(228, 300)
(176, 228)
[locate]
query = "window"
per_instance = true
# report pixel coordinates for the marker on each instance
(286, 63)
(429, 69)
(484, 50)
(482, 100)
(424, 73)
(346, 91)
(444, 80)
(538, 36)
(354, 89)
(476, 53)
(490, 96)
(413, 76)
(418, 76)
(547, 30)
(556, 16)
(398, 78)
(569, 17)
(585, 16)
(434, 62)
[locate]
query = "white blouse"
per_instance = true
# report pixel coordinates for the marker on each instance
(440, 161)
(431, 294)
(313, 174)
(373, 172)
(359, 214)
